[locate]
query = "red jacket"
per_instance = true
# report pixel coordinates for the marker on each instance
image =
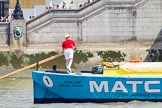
(68, 43)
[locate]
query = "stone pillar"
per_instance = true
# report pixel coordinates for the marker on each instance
(17, 30)
(79, 31)
(17, 35)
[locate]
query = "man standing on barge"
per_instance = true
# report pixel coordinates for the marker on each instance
(68, 47)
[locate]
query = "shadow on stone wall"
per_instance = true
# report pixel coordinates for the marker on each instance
(154, 54)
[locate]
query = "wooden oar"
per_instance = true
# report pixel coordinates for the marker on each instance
(32, 65)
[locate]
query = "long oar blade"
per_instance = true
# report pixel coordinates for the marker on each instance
(32, 65)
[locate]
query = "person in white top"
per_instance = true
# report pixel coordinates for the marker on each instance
(71, 6)
(2, 18)
(51, 4)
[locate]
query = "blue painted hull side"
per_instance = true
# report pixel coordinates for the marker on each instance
(55, 87)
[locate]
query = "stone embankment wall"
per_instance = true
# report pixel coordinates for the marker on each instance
(4, 33)
(101, 21)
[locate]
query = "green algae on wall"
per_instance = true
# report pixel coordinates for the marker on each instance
(112, 56)
(19, 61)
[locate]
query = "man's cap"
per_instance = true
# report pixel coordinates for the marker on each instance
(67, 36)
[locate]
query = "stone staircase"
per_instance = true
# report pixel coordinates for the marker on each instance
(79, 15)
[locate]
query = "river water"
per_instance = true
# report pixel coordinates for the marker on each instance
(18, 93)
